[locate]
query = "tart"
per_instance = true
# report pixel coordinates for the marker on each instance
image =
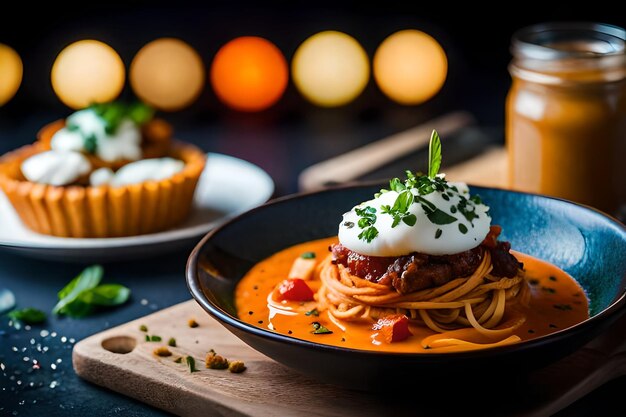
(118, 176)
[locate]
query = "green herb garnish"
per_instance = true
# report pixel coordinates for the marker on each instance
(28, 315)
(114, 113)
(366, 222)
(308, 255)
(83, 294)
(313, 312)
(140, 113)
(411, 191)
(319, 329)
(90, 143)
(191, 363)
(434, 154)
(155, 338)
(400, 209)
(178, 359)
(171, 342)
(143, 328)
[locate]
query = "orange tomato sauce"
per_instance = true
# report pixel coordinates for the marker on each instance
(557, 302)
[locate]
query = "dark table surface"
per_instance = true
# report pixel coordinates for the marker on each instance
(36, 375)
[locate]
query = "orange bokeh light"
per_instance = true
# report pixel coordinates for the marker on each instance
(249, 73)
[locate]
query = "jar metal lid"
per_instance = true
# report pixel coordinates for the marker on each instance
(561, 40)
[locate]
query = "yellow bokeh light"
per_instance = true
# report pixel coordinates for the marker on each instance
(87, 72)
(168, 74)
(410, 67)
(330, 68)
(10, 73)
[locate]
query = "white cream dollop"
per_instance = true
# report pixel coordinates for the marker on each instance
(155, 169)
(101, 176)
(422, 237)
(55, 167)
(124, 143)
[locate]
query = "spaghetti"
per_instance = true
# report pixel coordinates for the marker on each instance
(475, 302)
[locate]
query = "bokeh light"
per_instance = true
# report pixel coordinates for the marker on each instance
(86, 72)
(330, 69)
(10, 73)
(168, 74)
(249, 73)
(410, 67)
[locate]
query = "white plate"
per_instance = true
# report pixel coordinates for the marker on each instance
(228, 186)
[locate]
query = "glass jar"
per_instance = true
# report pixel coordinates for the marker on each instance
(566, 113)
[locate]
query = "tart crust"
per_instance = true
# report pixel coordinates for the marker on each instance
(103, 211)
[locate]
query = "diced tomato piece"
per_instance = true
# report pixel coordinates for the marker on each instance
(294, 289)
(491, 240)
(393, 328)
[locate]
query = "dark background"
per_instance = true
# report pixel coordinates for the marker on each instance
(475, 38)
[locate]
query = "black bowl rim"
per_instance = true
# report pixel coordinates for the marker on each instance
(617, 307)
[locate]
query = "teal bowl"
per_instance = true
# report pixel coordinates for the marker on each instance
(586, 243)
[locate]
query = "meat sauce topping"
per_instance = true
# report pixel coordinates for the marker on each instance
(418, 271)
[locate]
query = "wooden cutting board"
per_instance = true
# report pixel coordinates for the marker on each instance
(267, 388)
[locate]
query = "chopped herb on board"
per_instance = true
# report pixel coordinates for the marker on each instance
(162, 351)
(191, 363)
(171, 342)
(143, 328)
(236, 367)
(215, 361)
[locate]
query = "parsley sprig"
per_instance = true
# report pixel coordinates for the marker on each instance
(366, 222)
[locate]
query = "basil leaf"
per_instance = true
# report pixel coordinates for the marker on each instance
(86, 280)
(77, 309)
(440, 217)
(7, 300)
(434, 154)
(28, 315)
(106, 295)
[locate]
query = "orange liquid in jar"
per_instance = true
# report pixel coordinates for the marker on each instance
(566, 127)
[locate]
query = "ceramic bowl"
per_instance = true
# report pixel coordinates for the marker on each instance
(587, 244)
